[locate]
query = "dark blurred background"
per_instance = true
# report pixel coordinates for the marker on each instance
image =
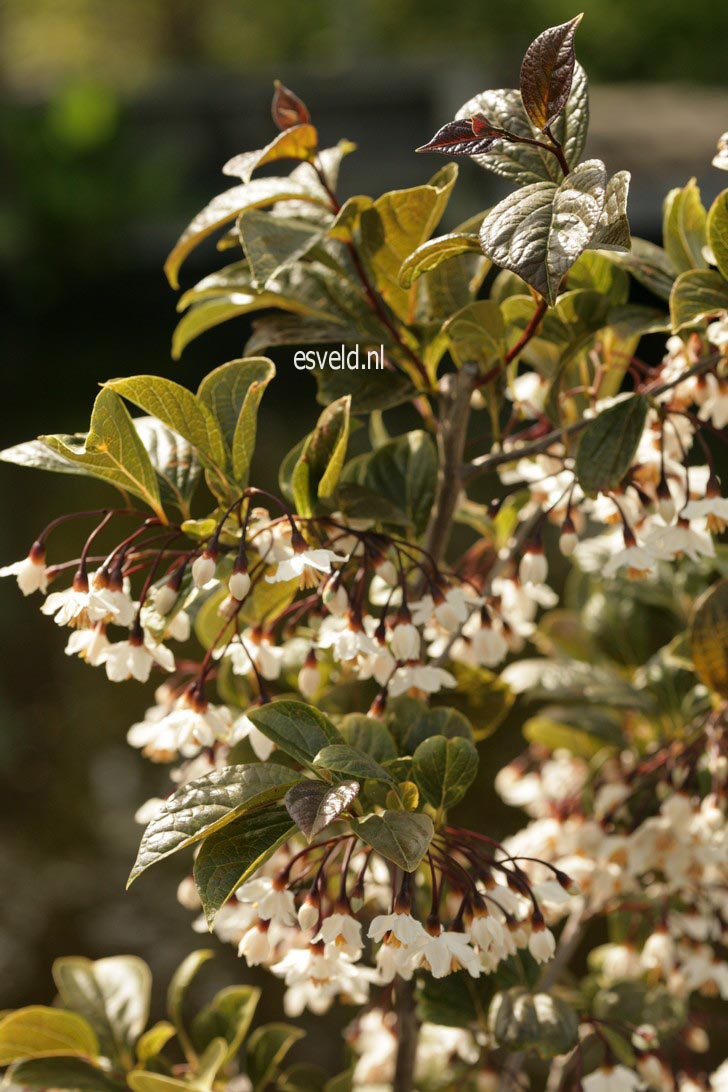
(116, 117)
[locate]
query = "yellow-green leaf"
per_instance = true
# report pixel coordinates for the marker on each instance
(395, 225)
(709, 638)
(113, 450)
(684, 227)
(42, 1032)
(229, 205)
(718, 231)
(298, 142)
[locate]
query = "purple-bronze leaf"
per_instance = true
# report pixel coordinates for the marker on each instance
(466, 136)
(287, 109)
(547, 72)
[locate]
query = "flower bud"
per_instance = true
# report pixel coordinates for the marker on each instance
(533, 568)
(239, 584)
(308, 913)
(287, 109)
(568, 540)
(309, 677)
(203, 568)
(165, 598)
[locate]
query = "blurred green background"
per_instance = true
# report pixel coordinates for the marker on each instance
(116, 116)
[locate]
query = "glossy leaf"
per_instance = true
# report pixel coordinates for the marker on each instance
(229, 856)
(313, 805)
(539, 231)
(204, 805)
(296, 142)
(42, 1032)
(112, 450)
(444, 769)
(608, 444)
(524, 163)
(112, 994)
(684, 228)
(298, 729)
(696, 295)
(370, 735)
(401, 837)
(369, 390)
(547, 73)
(228, 206)
(429, 255)
(437, 721)
(342, 758)
(464, 136)
(271, 243)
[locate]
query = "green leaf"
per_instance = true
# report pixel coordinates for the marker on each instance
(520, 1020)
(174, 459)
(597, 273)
(684, 227)
(438, 721)
(39, 455)
(696, 295)
(458, 1000)
(650, 265)
(373, 389)
(342, 758)
(399, 836)
(718, 231)
(346, 221)
(73, 1073)
(524, 163)
(368, 734)
(477, 335)
(230, 855)
(298, 142)
(41, 1032)
(140, 1080)
(582, 730)
(320, 463)
(113, 450)
(539, 231)
(228, 1016)
(267, 1048)
(210, 1062)
(395, 225)
(112, 994)
(429, 255)
(313, 805)
(298, 729)
(153, 1041)
(176, 992)
(204, 805)
(271, 243)
(609, 442)
(547, 73)
(402, 472)
(228, 206)
(304, 1077)
(179, 409)
(482, 697)
(445, 769)
(233, 394)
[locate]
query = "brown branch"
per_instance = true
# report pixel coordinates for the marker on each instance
(483, 464)
(407, 1035)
